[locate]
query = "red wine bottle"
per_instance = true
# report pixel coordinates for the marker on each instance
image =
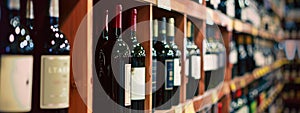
(177, 62)
(102, 59)
(165, 69)
(138, 71)
(16, 64)
(120, 67)
(55, 66)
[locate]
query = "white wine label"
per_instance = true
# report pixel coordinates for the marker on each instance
(154, 68)
(196, 67)
(138, 84)
(259, 58)
(222, 59)
(187, 66)
(233, 57)
(177, 70)
(16, 83)
(230, 8)
(210, 62)
(127, 84)
(55, 81)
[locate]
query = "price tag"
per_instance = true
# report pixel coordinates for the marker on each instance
(178, 109)
(189, 108)
(214, 97)
(164, 4)
(254, 31)
(243, 83)
(232, 87)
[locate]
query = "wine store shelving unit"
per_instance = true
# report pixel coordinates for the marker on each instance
(75, 11)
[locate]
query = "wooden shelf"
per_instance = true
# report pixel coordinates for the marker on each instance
(262, 107)
(212, 96)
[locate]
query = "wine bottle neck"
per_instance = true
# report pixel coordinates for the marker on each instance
(54, 21)
(29, 10)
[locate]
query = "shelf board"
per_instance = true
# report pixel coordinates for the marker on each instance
(262, 107)
(212, 96)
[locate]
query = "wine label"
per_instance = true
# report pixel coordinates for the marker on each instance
(138, 83)
(290, 49)
(210, 62)
(233, 57)
(187, 64)
(154, 68)
(259, 58)
(127, 85)
(177, 70)
(230, 8)
(55, 81)
(16, 83)
(195, 67)
(221, 59)
(169, 74)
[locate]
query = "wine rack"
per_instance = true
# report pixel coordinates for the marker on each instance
(81, 17)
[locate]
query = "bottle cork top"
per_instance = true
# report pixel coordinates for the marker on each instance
(14, 4)
(29, 10)
(54, 8)
(171, 27)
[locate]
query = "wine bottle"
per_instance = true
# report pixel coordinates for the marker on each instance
(16, 64)
(242, 55)
(55, 66)
(102, 58)
(249, 49)
(222, 6)
(233, 57)
(193, 71)
(177, 61)
(138, 72)
(120, 67)
(239, 5)
(154, 63)
(165, 69)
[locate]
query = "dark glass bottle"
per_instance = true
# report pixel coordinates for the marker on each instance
(242, 55)
(55, 66)
(165, 69)
(233, 57)
(154, 63)
(138, 71)
(120, 67)
(16, 63)
(222, 6)
(193, 59)
(102, 59)
(177, 61)
(250, 52)
(239, 5)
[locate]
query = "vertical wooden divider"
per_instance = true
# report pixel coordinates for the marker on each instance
(144, 32)
(226, 38)
(199, 37)
(70, 25)
(181, 41)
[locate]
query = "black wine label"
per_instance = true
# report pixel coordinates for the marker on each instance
(169, 74)
(55, 81)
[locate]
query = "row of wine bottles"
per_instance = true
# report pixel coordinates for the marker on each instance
(18, 60)
(249, 98)
(248, 52)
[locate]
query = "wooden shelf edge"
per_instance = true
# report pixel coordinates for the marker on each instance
(270, 99)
